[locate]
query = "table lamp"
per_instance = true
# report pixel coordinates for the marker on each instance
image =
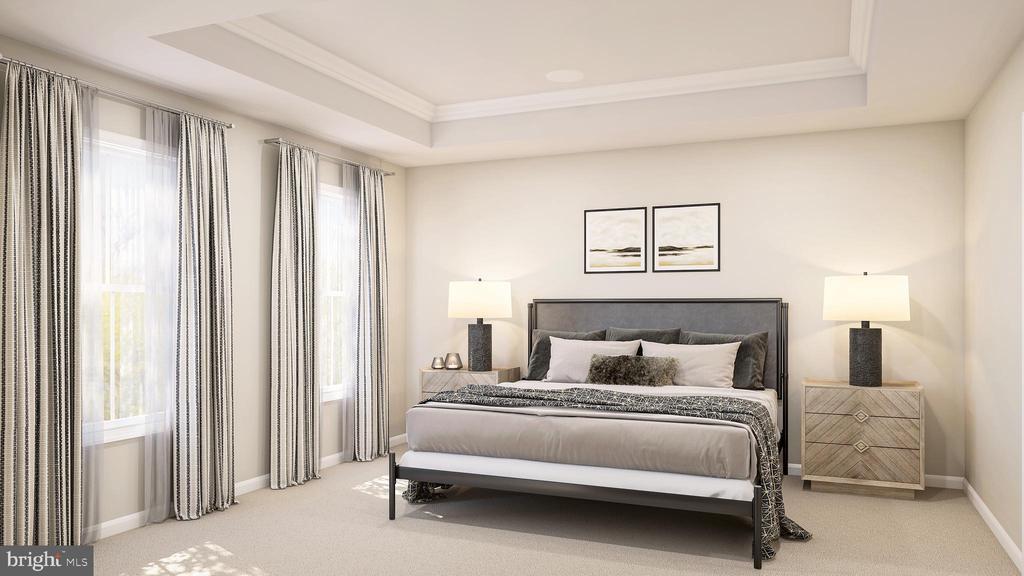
(877, 297)
(479, 300)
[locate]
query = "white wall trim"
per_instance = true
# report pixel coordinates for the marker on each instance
(118, 525)
(292, 46)
(273, 37)
(993, 524)
(252, 484)
(861, 12)
(657, 88)
(930, 480)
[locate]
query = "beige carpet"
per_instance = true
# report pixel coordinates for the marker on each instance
(338, 525)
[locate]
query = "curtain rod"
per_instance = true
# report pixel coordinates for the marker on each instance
(116, 93)
(337, 159)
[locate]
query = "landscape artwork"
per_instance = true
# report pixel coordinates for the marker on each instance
(686, 238)
(615, 240)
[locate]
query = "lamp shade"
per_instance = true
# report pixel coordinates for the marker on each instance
(882, 298)
(479, 299)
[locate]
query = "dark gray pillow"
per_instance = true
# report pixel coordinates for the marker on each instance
(540, 357)
(632, 370)
(748, 372)
(666, 336)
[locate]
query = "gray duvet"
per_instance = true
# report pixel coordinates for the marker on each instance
(656, 442)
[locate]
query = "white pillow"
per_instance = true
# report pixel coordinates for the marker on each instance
(570, 359)
(699, 364)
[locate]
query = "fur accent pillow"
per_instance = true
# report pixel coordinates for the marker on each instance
(631, 370)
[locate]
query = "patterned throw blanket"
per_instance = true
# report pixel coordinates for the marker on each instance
(774, 522)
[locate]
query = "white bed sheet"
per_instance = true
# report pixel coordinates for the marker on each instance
(662, 482)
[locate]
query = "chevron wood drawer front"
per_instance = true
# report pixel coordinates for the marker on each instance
(863, 438)
(871, 401)
(874, 463)
(875, 431)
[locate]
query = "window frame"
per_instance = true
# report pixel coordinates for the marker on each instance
(127, 427)
(333, 392)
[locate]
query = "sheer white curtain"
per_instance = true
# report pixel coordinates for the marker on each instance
(128, 266)
(338, 291)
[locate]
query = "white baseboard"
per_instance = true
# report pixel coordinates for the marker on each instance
(997, 529)
(330, 460)
(118, 525)
(930, 480)
(398, 440)
(937, 481)
(252, 484)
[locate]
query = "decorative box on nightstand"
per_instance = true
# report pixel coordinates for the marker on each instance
(434, 381)
(867, 440)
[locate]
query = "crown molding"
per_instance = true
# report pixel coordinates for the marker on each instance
(277, 39)
(269, 35)
(659, 88)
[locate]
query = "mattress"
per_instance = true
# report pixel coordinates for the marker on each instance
(661, 482)
(644, 442)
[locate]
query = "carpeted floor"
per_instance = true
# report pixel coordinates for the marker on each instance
(338, 525)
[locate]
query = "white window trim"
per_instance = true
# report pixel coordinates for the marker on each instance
(332, 393)
(119, 429)
(337, 391)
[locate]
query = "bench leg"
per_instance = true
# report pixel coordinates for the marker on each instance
(758, 536)
(391, 485)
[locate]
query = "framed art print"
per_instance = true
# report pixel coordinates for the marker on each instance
(687, 238)
(615, 240)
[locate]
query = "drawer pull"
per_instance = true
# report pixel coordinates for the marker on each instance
(861, 446)
(861, 416)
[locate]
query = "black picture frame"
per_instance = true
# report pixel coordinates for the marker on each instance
(718, 239)
(646, 247)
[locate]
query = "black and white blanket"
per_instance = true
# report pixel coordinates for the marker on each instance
(726, 408)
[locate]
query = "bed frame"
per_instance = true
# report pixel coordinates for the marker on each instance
(718, 315)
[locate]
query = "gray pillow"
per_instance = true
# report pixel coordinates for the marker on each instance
(540, 357)
(631, 370)
(750, 358)
(661, 336)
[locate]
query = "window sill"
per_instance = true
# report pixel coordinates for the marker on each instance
(118, 430)
(331, 394)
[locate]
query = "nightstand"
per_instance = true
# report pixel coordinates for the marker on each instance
(434, 381)
(867, 440)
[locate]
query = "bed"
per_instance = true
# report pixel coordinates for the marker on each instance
(687, 463)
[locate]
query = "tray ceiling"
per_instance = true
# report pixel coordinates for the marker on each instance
(422, 83)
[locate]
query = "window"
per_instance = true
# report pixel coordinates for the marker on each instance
(334, 239)
(128, 266)
(115, 278)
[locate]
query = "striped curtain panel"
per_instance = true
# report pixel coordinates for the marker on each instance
(40, 401)
(203, 446)
(294, 388)
(371, 331)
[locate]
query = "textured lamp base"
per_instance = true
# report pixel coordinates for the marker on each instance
(479, 347)
(866, 356)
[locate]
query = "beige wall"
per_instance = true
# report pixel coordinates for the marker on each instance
(992, 304)
(252, 166)
(794, 209)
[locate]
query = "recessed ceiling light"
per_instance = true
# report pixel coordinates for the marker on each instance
(564, 76)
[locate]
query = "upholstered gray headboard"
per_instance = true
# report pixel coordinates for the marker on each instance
(720, 315)
(717, 315)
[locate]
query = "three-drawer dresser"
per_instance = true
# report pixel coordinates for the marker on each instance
(863, 439)
(433, 381)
